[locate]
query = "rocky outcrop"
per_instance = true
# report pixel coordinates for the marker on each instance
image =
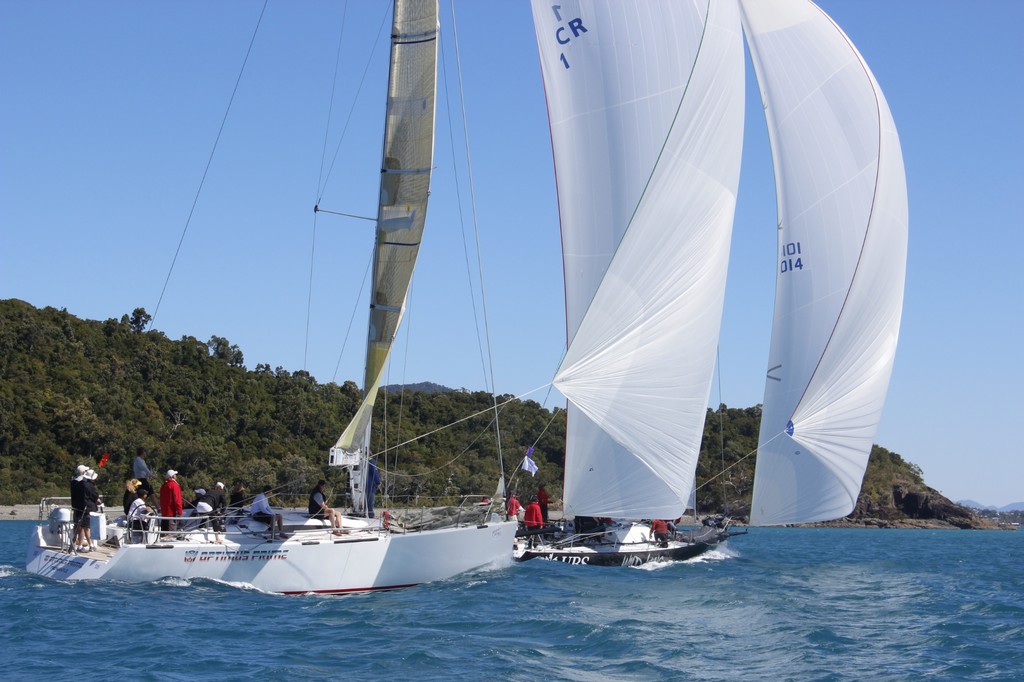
(913, 506)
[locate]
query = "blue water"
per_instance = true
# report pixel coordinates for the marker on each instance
(781, 604)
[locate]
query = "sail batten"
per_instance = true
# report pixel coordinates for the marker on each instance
(407, 160)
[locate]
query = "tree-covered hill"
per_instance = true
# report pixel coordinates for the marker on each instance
(72, 390)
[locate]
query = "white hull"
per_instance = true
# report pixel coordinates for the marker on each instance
(310, 561)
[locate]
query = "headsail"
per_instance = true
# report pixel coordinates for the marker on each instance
(842, 259)
(404, 187)
(645, 102)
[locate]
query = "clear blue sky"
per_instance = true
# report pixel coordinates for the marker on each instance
(109, 112)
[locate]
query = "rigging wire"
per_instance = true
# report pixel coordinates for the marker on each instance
(352, 318)
(476, 228)
(323, 156)
(209, 162)
(462, 218)
(721, 427)
(351, 111)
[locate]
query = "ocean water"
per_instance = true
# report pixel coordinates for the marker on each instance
(778, 603)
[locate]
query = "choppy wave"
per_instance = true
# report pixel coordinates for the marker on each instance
(778, 603)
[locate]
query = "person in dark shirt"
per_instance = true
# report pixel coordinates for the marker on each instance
(78, 504)
(372, 484)
(131, 488)
(319, 509)
(92, 504)
(217, 500)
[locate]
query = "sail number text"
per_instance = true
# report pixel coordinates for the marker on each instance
(791, 258)
(565, 33)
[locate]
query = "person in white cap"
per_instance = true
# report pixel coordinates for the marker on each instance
(218, 500)
(170, 502)
(92, 504)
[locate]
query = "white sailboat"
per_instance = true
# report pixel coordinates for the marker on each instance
(645, 102)
(370, 553)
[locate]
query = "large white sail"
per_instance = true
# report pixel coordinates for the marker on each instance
(842, 259)
(645, 102)
(404, 187)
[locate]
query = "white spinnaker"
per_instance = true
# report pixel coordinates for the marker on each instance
(645, 102)
(843, 213)
(406, 164)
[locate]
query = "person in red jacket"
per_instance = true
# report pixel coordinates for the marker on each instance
(533, 519)
(170, 501)
(512, 507)
(543, 501)
(659, 529)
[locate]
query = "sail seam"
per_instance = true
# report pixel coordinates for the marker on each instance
(657, 161)
(871, 211)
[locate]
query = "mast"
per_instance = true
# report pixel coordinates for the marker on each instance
(406, 164)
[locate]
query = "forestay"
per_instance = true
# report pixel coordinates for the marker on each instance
(645, 102)
(842, 258)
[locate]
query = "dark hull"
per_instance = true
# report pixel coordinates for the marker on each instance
(628, 555)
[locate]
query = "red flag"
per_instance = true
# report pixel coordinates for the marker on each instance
(104, 458)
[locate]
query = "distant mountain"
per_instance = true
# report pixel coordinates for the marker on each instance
(974, 505)
(1015, 506)
(422, 387)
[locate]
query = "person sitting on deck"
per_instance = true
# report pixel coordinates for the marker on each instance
(318, 508)
(138, 514)
(264, 513)
(130, 488)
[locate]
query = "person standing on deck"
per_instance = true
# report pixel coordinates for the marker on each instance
(533, 519)
(512, 507)
(92, 504)
(217, 498)
(372, 484)
(542, 499)
(142, 471)
(170, 501)
(78, 505)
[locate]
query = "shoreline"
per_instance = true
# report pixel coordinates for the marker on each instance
(30, 512)
(19, 512)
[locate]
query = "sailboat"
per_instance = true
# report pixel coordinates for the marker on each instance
(645, 104)
(368, 553)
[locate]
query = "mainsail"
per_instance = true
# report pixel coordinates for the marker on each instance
(645, 103)
(404, 187)
(842, 258)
